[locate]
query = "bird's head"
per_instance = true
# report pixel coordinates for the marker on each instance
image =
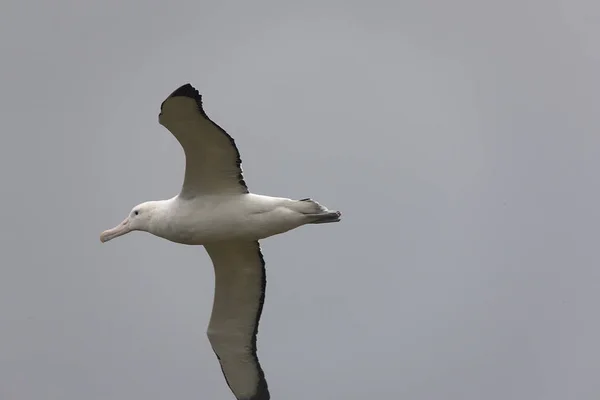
(138, 220)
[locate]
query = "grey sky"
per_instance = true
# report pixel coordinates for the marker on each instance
(459, 139)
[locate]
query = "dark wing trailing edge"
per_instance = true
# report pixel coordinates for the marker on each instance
(213, 162)
(240, 284)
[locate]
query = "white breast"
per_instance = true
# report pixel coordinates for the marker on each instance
(209, 219)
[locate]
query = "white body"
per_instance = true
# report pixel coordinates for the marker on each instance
(213, 218)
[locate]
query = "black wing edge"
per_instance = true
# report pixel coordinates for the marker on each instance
(188, 90)
(262, 389)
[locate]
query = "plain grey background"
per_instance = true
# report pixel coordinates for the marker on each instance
(459, 139)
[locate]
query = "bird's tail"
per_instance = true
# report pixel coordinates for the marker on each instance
(316, 212)
(325, 218)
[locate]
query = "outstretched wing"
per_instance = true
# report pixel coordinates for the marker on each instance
(240, 284)
(213, 163)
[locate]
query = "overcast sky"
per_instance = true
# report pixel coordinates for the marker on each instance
(460, 139)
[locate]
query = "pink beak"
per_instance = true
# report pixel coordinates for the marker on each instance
(117, 231)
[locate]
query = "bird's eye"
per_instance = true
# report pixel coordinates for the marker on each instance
(136, 212)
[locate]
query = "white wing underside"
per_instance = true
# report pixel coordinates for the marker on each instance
(213, 164)
(239, 295)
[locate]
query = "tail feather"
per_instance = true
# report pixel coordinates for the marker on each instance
(315, 213)
(324, 218)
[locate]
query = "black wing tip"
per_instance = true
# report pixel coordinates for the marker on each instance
(188, 91)
(262, 391)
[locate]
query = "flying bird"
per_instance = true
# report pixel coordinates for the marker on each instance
(215, 209)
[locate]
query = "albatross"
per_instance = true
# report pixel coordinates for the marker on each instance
(215, 209)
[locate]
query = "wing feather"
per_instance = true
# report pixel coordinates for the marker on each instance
(240, 284)
(213, 162)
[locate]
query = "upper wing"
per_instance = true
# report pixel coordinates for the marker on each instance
(213, 164)
(240, 284)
